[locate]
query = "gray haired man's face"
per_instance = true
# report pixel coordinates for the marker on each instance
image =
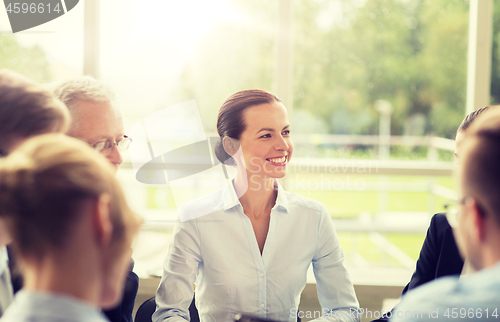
(94, 122)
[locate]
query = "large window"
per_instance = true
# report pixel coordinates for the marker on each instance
(375, 89)
(346, 57)
(47, 52)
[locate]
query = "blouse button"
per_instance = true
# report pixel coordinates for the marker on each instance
(262, 274)
(262, 305)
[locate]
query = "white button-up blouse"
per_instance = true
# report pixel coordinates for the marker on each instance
(219, 253)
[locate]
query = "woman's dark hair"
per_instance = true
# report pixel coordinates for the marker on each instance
(230, 121)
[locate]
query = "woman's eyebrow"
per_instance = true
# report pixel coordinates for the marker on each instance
(266, 129)
(272, 130)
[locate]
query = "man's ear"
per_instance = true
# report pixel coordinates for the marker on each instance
(231, 146)
(103, 226)
(478, 221)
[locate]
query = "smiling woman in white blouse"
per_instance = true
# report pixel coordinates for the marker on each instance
(250, 254)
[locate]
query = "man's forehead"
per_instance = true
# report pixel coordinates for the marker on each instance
(96, 121)
(82, 107)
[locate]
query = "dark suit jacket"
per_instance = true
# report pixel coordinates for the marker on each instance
(438, 257)
(121, 313)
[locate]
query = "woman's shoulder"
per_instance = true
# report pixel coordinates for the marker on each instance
(440, 220)
(296, 200)
(205, 205)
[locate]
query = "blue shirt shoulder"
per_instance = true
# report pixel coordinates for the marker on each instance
(439, 300)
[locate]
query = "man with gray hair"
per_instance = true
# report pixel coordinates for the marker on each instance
(95, 119)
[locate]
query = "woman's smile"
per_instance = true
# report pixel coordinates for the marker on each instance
(279, 161)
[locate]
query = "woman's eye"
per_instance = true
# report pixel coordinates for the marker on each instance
(286, 132)
(265, 136)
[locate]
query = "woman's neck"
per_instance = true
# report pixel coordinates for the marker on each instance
(73, 276)
(256, 193)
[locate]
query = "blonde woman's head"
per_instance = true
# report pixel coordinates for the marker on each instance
(49, 186)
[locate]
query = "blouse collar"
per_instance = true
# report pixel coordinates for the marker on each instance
(231, 200)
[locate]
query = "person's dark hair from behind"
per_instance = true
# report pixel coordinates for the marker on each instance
(466, 123)
(43, 185)
(230, 121)
(482, 178)
(27, 108)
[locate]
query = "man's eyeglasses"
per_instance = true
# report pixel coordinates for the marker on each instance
(453, 210)
(105, 147)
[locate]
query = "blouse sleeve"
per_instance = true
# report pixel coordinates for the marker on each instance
(335, 290)
(175, 292)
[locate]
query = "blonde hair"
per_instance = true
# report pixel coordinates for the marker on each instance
(43, 184)
(27, 108)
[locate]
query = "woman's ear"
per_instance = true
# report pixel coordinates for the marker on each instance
(103, 226)
(231, 146)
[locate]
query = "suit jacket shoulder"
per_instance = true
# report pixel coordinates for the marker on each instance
(439, 255)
